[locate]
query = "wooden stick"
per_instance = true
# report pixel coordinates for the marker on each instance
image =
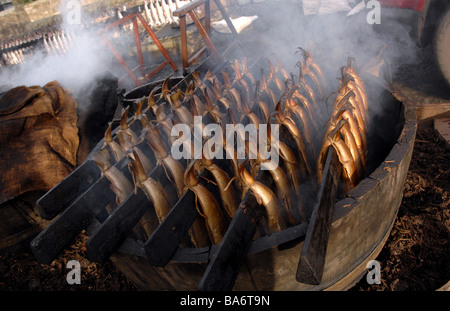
(64, 193)
(61, 232)
(223, 269)
(108, 237)
(164, 241)
(205, 36)
(183, 39)
(47, 245)
(157, 42)
(138, 46)
(312, 259)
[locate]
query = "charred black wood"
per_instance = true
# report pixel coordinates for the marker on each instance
(64, 193)
(48, 244)
(312, 258)
(116, 227)
(164, 241)
(223, 269)
(109, 236)
(283, 239)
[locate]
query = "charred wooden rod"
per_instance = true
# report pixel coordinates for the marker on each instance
(222, 271)
(312, 258)
(50, 242)
(164, 241)
(68, 190)
(108, 237)
(47, 245)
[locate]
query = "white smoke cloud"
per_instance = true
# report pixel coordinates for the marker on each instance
(73, 70)
(84, 60)
(332, 38)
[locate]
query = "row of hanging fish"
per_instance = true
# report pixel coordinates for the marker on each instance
(237, 96)
(230, 99)
(15, 51)
(13, 57)
(50, 41)
(160, 12)
(58, 42)
(346, 129)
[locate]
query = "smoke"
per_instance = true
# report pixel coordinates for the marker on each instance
(73, 70)
(332, 38)
(83, 62)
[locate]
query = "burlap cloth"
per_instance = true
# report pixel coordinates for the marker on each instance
(38, 138)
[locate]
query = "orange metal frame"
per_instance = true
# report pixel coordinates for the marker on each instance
(131, 73)
(204, 30)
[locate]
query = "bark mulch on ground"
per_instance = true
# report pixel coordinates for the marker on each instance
(417, 253)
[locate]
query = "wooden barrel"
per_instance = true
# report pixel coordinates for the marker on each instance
(361, 223)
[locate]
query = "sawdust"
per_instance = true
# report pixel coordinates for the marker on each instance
(417, 253)
(19, 271)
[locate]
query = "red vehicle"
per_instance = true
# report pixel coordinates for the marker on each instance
(433, 27)
(405, 4)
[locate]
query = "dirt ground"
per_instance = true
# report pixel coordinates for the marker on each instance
(19, 271)
(417, 253)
